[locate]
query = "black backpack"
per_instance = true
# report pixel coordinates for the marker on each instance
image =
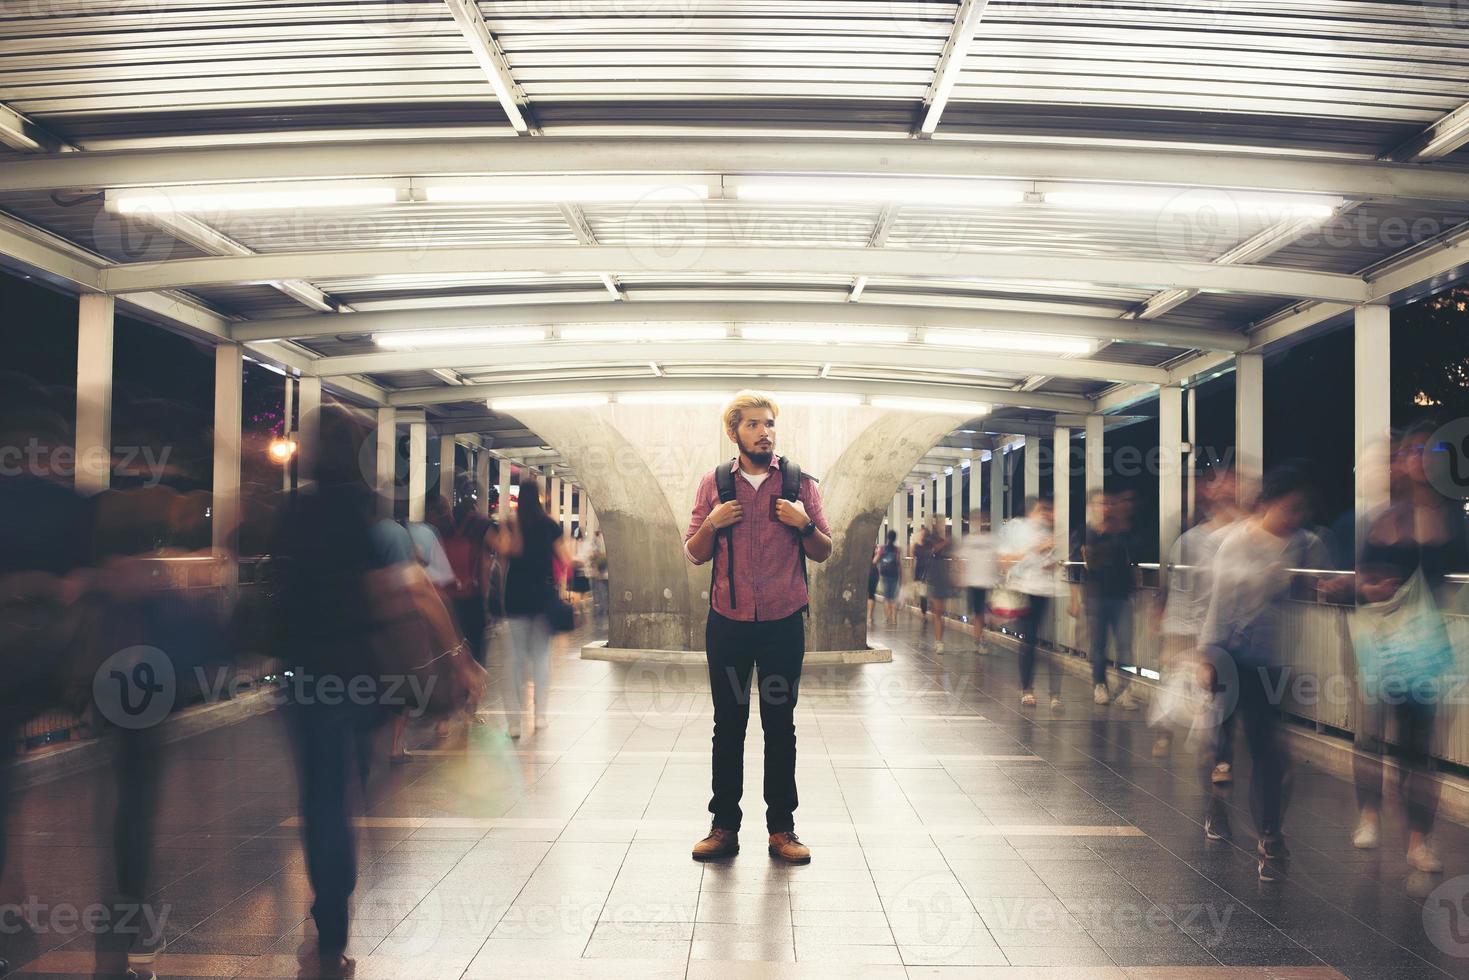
(790, 489)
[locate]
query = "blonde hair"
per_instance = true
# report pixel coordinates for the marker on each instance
(743, 400)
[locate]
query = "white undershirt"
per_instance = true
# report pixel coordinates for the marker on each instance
(753, 480)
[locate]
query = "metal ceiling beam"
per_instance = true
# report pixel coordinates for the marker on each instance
(663, 311)
(726, 260)
(891, 389)
(20, 132)
(738, 354)
(562, 156)
(491, 58)
(1442, 137)
(951, 63)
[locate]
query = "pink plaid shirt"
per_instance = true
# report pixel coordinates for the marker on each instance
(768, 582)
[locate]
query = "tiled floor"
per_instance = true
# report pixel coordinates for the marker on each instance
(955, 834)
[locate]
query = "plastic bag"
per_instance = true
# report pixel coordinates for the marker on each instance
(1400, 644)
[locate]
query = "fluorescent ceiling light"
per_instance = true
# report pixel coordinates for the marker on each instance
(536, 190)
(1172, 199)
(878, 190)
(817, 399)
(644, 333)
(247, 197)
(674, 397)
(932, 405)
(804, 334)
(545, 401)
(470, 337)
(1011, 341)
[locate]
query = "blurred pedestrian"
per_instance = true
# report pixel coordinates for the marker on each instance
(941, 586)
(1242, 634)
(1108, 586)
(980, 569)
(1402, 645)
(1028, 555)
(533, 546)
(889, 566)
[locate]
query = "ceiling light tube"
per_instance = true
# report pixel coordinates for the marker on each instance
(674, 397)
(265, 196)
(545, 401)
(468, 337)
(538, 190)
(878, 190)
(938, 405)
(1004, 341)
(645, 334)
(818, 399)
(805, 334)
(1102, 198)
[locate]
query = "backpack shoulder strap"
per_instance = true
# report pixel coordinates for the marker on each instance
(724, 482)
(790, 479)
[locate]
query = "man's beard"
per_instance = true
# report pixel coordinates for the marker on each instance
(759, 458)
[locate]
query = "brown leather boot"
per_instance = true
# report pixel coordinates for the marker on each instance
(788, 847)
(720, 843)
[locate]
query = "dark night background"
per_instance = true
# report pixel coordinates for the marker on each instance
(164, 396)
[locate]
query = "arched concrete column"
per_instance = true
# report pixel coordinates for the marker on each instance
(855, 492)
(650, 583)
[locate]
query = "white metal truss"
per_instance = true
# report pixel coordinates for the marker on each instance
(565, 157)
(951, 63)
(491, 59)
(594, 260)
(665, 311)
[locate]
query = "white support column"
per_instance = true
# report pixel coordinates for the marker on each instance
(417, 469)
(1191, 462)
(584, 514)
(224, 507)
(446, 468)
(941, 496)
(94, 394)
(553, 498)
(482, 482)
(387, 448)
(1170, 468)
(1094, 454)
(1249, 422)
(999, 487)
(287, 427)
(505, 473)
(567, 494)
(308, 441)
(1373, 410)
(1061, 464)
(956, 497)
(910, 518)
(1032, 473)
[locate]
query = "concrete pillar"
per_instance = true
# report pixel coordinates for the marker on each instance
(584, 513)
(287, 426)
(942, 494)
(1062, 465)
(94, 394)
(999, 487)
(1094, 454)
(446, 468)
(506, 472)
(1191, 460)
(482, 482)
(1249, 422)
(417, 469)
(910, 517)
(567, 495)
(308, 439)
(1032, 474)
(224, 507)
(1373, 410)
(387, 449)
(956, 500)
(1170, 468)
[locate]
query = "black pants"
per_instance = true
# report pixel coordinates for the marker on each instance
(1108, 615)
(326, 747)
(1030, 627)
(774, 651)
(1415, 720)
(470, 615)
(1259, 716)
